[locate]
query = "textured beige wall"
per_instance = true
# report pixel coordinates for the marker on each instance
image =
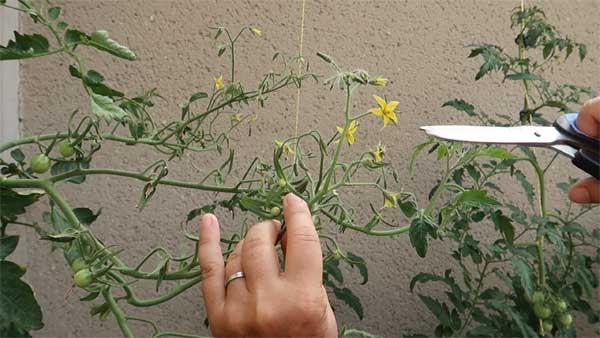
(417, 44)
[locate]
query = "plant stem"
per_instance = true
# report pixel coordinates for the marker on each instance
(141, 177)
(542, 208)
(475, 299)
(438, 192)
(119, 315)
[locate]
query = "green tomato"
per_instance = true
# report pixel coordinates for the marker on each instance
(66, 149)
(565, 320)
(40, 163)
(548, 326)
(537, 297)
(275, 211)
(282, 183)
(83, 278)
(561, 306)
(78, 265)
(541, 311)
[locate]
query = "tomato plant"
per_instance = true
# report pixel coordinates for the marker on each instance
(541, 255)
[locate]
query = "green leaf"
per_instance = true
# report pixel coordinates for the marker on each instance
(420, 227)
(522, 76)
(62, 25)
(477, 197)
(199, 211)
(347, 296)
(424, 277)
(8, 244)
(582, 52)
(497, 152)
(409, 208)
(461, 105)
(17, 155)
(73, 36)
(24, 46)
(54, 13)
(104, 107)
(61, 167)
(86, 216)
(359, 262)
(333, 268)
(93, 80)
(13, 203)
(504, 224)
(17, 302)
(8, 268)
(524, 272)
(102, 41)
(440, 310)
(526, 185)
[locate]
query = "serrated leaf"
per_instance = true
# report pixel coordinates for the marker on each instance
(17, 302)
(24, 46)
(478, 197)
(347, 296)
(13, 203)
(461, 105)
(525, 273)
(8, 244)
(104, 107)
(102, 41)
(424, 277)
(440, 310)
(73, 36)
(527, 187)
(420, 227)
(359, 262)
(504, 224)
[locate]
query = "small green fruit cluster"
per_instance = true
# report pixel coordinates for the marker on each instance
(552, 311)
(82, 275)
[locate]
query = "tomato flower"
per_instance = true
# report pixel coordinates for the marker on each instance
(378, 152)
(386, 110)
(350, 132)
(286, 147)
(390, 199)
(379, 81)
(256, 31)
(219, 82)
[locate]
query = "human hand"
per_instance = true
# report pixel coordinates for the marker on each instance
(588, 121)
(267, 302)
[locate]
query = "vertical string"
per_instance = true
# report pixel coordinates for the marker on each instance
(300, 62)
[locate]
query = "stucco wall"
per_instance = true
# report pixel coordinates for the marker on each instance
(419, 45)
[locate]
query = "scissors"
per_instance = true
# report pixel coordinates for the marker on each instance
(563, 136)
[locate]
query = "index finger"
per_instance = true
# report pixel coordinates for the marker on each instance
(304, 259)
(588, 120)
(212, 266)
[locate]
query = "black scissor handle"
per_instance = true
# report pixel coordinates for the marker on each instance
(587, 157)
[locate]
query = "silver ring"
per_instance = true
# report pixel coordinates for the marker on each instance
(233, 277)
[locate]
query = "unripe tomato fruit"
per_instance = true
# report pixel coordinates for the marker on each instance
(561, 306)
(78, 265)
(65, 149)
(40, 163)
(83, 278)
(282, 183)
(541, 311)
(275, 211)
(565, 319)
(537, 297)
(548, 326)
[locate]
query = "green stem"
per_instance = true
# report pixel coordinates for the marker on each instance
(543, 213)
(338, 149)
(438, 192)
(119, 314)
(391, 232)
(141, 177)
(135, 301)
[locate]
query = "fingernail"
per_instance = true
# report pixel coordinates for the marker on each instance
(293, 200)
(207, 220)
(580, 195)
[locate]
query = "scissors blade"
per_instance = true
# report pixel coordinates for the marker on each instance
(524, 135)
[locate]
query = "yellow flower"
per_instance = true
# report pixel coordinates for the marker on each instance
(237, 117)
(380, 81)
(386, 110)
(256, 31)
(350, 132)
(253, 119)
(390, 199)
(286, 147)
(219, 82)
(378, 153)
